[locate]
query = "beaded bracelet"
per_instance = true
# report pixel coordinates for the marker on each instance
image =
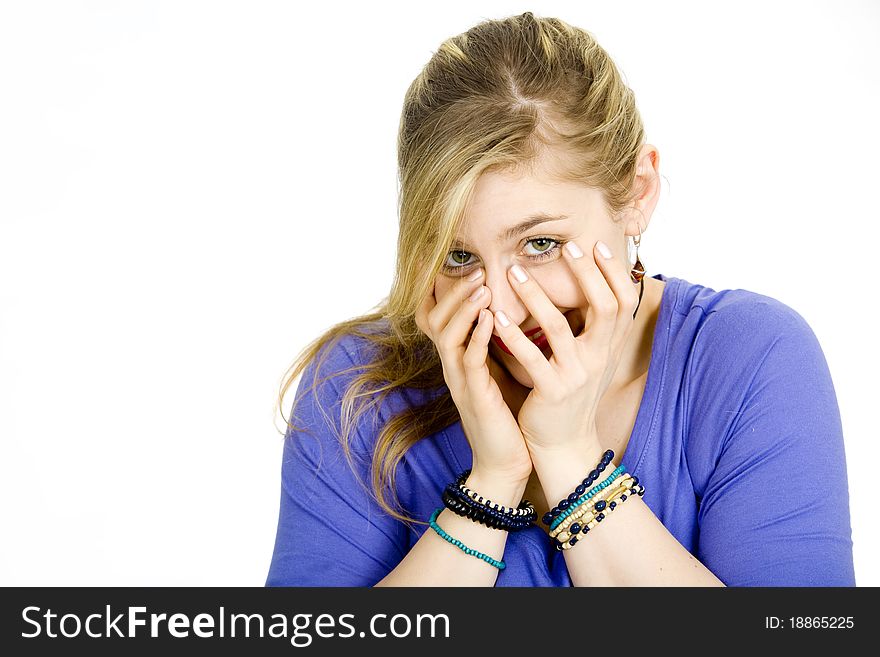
(620, 484)
(500, 565)
(590, 493)
(482, 514)
(596, 505)
(590, 509)
(581, 488)
(524, 509)
(611, 482)
(571, 542)
(466, 503)
(587, 523)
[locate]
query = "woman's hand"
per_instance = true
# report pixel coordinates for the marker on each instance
(561, 408)
(499, 450)
(513, 392)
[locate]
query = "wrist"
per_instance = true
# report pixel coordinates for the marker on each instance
(503, 490)
(544, 455)
(561, 469)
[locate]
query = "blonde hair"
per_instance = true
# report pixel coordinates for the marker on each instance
(496, 98)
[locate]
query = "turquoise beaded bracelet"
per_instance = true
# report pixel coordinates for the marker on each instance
(583, 498)
(500, 565)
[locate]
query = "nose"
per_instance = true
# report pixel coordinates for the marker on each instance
(504, 297)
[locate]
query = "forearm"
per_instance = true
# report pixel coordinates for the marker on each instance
(433, 561)
(630, 546)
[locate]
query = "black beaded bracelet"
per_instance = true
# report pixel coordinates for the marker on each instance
(463, 502)
(465, 506)
(525, 510)
(581, 488)
(482, 514)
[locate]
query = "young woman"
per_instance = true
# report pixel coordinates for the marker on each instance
(527, 407)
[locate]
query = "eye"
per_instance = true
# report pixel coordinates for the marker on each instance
(546, 242)
(548, 248)
(457, 259)
(542, 249)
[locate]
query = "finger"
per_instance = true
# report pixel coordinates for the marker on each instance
(446, 307)
(453, 339)
(620, 282)
(451, 336)
(463, 321)
(551, 321)
(603, 304)
(427, 304)
(476, 354)
(525, 351)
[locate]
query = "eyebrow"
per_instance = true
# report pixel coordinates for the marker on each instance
(518, 229)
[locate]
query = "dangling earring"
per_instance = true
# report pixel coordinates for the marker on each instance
(638, 269)
(637, 273)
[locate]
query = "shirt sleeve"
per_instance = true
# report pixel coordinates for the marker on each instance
(774, 511)
(330, 530)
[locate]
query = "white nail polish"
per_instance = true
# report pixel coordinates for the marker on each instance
(519, 273)
(574, 250)
(502, 318)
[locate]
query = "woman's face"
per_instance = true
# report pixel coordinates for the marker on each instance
(495, 236)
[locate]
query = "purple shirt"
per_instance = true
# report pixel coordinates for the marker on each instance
(737, 440)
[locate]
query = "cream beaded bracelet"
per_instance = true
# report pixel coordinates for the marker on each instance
(637, 489)
(588, 511)
(581, 509)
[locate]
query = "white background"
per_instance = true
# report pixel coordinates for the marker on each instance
(192, 191)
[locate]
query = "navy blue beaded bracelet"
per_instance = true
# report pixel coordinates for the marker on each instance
(482, 514)
(463, 502)
(581, 488)
(525, 510)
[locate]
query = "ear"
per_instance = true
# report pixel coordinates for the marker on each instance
(647, 184)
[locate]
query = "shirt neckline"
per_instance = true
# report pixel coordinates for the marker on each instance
(647, 414)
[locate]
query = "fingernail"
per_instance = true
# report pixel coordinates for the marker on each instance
(519, 273)
(574, 250)
(476, 275)
(478, 293)
(603, 249)
(502, 318)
